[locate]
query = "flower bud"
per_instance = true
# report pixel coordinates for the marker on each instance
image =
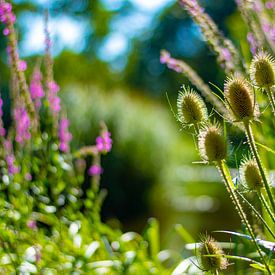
(212, 145)
(250, 174)
(239, 98)
(209, 246)
(262, 70)
(191, 107)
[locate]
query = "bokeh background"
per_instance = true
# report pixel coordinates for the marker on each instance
(107, 63)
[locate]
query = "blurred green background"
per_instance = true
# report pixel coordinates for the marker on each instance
(107, 64)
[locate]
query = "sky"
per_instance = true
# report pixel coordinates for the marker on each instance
(115, 44)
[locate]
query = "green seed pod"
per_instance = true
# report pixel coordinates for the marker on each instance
(262, 70)
(211, 144)
(209, 246)
(191, 107)
(239, 98)
(250, 174)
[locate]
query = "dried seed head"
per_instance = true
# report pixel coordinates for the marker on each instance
(262, 70)
(209, 246)
(191, 107)
(211, 143)
(250, 174)
(239, 98)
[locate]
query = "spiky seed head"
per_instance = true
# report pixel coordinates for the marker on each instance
(191, 107)
(262, 70)
(250, 174)
(239, 98)
(212, 145)
(209, 246)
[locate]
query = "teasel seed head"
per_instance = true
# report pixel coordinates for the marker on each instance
(239, 99)
(209, 246)
(262, 70)
(191, 107)
(250, 174)
(212, 145)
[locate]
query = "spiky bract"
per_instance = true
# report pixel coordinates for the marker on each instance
(250, 174)
(239, 98)
(209, 246)
(211, 143)
(262, 70)
(191, 107)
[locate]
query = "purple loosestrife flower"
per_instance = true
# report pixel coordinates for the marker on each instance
(31, 224)
(95, 170)
(23, 123)
(270, 5)
(252, 42)
(2, 129)
(104, 142)
(54, 100)
(10, 159)
(36, 88)
(22, 65)
(6, 16)
(64, 135)
(18, 66)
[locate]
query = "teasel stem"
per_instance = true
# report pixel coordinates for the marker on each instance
(257, 214)
(256, 156)
(266, 206)
(216, 272)
(271, 99)
(221, 165)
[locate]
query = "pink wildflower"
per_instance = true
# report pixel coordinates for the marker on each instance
(22, 65)
(23, 123)
(54, 100)
(104, 142)
(64, 135)
(95, 170)
(2, 129)
(31, 224)
(10, 159)
(36, 88)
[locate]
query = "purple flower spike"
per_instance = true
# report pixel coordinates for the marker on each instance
(10, 159)
(104, 142)
(2, 129)
(36, 88)
(54, 100)
(22, 125)
(64, 135)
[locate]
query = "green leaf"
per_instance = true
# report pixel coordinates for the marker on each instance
(184, 234)
(153, 237)
(266, 148)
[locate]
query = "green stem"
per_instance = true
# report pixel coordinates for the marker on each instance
(266, 206)
(256, 156)
(271, 99)
(257, 214)
(228, 184)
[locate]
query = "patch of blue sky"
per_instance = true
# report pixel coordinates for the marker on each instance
(114, 45)
(66, 32)
(189, 40)
(69, 32)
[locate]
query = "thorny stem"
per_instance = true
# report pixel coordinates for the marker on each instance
(256, 156)
(271, 99)
(257, 214)
(265, 204)
(221, 167)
